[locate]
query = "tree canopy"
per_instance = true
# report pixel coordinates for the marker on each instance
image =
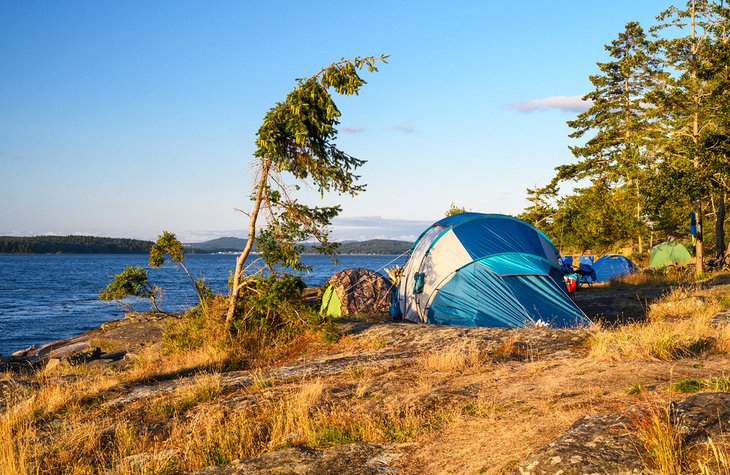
(653, 145)
(297, 140)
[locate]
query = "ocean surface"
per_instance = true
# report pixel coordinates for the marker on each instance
(47, 297)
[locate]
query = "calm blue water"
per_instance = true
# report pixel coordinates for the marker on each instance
(49, 297)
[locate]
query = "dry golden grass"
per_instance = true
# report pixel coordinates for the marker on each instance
(204, 387)
(455, 397)
(290, 419)
(662, 340)
(716, 459)
(640, 278)
(678, 327)
(16, 435)
(664, 446)
(149, 364)
(685, 302)
(459, 359)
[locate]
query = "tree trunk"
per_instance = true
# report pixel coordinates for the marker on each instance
(201, 298)
(241, 259)
(699, 270)
(720, 227)
(638, 216)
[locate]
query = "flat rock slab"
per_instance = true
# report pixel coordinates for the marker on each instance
(351, 459)
(530, 342)
(129, 334)
(592, 445)
(607, 444)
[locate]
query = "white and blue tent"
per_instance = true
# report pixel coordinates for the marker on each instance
(490, 270)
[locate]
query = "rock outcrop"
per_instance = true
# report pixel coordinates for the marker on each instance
(609, 444)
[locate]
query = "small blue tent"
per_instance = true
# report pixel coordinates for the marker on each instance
(490, 270)
(613, 266)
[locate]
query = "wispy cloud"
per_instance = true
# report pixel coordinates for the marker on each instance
(401, 128)
(562, 103)
(353, 130)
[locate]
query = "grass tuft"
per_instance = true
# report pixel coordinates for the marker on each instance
(664, 448)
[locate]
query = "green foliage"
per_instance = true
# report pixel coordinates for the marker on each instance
(617, 125)
(168, 244)
(656, 134)
(594, 218)
(635, 389)
(688, 385)
(453, 209)
(540, 213)
(693, 385)
(192, 331)
(297, 138)
(131, 282)
(273, 308)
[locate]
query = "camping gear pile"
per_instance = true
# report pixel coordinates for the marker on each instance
(356, 291)
(491, 270)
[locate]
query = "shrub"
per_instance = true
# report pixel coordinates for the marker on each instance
(273, 308)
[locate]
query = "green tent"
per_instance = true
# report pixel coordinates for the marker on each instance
(670, 253)
(356, 291)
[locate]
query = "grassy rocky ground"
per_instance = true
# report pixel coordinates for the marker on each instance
(643, 391)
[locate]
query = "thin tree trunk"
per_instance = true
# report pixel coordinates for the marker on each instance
(720, 227)
(241, 259)
(638, 216)
(699, 269)
(201, 298)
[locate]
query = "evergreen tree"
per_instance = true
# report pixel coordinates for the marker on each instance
(617, 123)
(540, 212)
(694, 103)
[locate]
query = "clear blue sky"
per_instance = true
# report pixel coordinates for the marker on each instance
(124, 118)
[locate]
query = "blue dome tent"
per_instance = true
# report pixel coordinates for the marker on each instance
(613, 266)
(490, 270)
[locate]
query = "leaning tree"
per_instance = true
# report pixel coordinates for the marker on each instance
(297, 140)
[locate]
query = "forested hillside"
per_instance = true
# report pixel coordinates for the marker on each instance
(72, 245)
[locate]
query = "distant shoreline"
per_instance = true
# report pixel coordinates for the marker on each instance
(101, 245)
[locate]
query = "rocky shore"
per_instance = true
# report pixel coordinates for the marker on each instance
(485, 400)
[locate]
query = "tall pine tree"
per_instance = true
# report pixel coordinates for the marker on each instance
(693, 42)
(618, 124)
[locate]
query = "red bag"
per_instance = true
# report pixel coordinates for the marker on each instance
(571, 283)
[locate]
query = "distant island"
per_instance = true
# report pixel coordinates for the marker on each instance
(104, 245)
(72, 245)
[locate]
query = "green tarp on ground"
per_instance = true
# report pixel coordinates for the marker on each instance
(670, 253)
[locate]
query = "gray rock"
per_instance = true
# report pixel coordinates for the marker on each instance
(592, 445)
(721, 319)
(352, 459)
(607, 444)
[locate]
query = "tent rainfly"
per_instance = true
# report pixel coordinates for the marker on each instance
(490, 270)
